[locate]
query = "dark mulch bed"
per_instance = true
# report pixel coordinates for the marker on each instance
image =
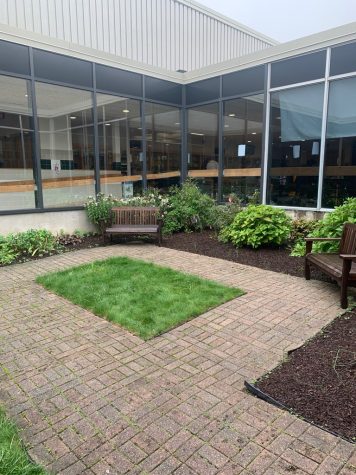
(206, 243)
(318, 380)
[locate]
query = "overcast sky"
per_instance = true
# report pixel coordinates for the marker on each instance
(286, 20)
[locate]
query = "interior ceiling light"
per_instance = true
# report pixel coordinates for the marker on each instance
(254, 133)
(278, 118)
(196, 133)
(226, 126)
(26, 95)
(73, 117)
(232, 115)
(107, 125)
(126, 111)
(176, 123)
(249, 141)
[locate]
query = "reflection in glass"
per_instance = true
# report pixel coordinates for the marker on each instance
(243, 126)
(295, 131)
(66, 129)
(120, 145)
(340, 147)
(17, 183)
(163, 136)
(203, 147)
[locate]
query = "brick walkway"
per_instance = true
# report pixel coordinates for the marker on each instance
(94, 399)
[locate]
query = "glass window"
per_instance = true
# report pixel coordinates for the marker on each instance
(164, 91)
(295, 131)
(299, 69)
(163, 135)
(244, 82)
(203, 91)
(17, 183)
(243, 127)
(120, 145)
(60, 68)
(343, 59)
(119, 81)
(340, 146)
(66, 130)
(203, 147)
(14, 58)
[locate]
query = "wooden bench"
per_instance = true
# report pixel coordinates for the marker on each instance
(136, 221)
(340, 267)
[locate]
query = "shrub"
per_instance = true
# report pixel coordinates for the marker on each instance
(258, 225)
(188, 209)
(99, 210)
(150, 197)
(225, 214)
(27, 244)
(330, 226)
(301, 228)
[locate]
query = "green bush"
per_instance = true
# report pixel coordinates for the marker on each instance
(187, 209)
(99, 210)
(225, 214)
(301, 228)
(35, 242)
(330, 226)
(258, 225)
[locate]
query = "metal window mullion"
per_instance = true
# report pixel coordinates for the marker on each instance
(144, 145)
(264, 164)
(323, 131)
(37, 155)
(96, 136)
(220, 150)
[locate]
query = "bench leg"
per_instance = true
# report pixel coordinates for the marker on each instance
(343, 299)
(306, 269)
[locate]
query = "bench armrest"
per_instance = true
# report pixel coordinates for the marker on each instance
(309, 242)
(348, 257)
(312, 239)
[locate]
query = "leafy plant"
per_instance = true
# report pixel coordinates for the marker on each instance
(301, 228)
(225, 214)
(32, 242)
(99, 210)
(330, 226)
(7, 254)
(187, 209)
(258, 225)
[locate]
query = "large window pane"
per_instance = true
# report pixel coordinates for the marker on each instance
(340, 150)
(163, 135)
(66, 129)
(120, 145)
(17, 184)
(243, 126)
(203, 147)
(295, 131)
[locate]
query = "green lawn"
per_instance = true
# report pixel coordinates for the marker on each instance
(13, 457)
(144, 298)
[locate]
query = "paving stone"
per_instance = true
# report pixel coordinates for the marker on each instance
(94, 399)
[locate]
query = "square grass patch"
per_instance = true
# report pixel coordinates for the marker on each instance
(145, 298)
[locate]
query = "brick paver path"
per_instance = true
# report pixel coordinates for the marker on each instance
(94, 399)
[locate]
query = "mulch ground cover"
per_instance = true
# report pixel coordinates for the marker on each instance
(318, 380)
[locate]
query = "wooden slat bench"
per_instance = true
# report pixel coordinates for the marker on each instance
(136, 221)
(340, 267)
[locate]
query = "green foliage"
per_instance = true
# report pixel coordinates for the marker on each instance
(13, 457)
(187, 209)
(99, 210)
(150, 197)
(330, 226)
(225, 214)
(145, 298)
(31, 243)
(301, 228)
(258, 225)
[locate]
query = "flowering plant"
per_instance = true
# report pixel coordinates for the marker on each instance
(99, 210)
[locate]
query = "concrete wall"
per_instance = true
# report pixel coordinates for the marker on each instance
(67, 221)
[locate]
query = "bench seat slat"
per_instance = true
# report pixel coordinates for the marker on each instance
(132, 228)
(331, 264)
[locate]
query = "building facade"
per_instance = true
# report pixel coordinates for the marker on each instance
(76, 120)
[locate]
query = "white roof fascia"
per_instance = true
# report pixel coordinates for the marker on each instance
(28, 38)
(306, 44)
(227, 21)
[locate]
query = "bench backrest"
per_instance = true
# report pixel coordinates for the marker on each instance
(136, 215)
(348, 239)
